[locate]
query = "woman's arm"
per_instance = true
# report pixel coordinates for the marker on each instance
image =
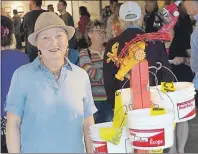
(88, 142)
(15, 103)
(181, 60)
(13, 133)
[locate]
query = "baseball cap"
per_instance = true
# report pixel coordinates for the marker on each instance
(130, 11)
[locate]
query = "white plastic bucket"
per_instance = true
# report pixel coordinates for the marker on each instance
(150, 132)
(126, 97)
(101, 146)
(183, 100)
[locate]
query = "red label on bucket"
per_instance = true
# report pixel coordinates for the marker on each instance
(186, 109)
(99, 146)
(147, 138)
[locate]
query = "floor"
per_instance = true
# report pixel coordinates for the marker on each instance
(192, 144)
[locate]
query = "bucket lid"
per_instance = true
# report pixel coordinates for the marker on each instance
(180, 88)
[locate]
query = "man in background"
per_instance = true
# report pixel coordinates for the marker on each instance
(28, 26)
(17, 24)
(68, 19)
(66, 16)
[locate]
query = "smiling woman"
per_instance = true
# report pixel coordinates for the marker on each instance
(56, 108)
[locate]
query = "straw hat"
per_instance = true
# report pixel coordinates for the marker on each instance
(49, 20)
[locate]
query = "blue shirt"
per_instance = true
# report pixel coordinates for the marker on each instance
(52, 112)
(194, 54)
(194, 48)
(10, 61)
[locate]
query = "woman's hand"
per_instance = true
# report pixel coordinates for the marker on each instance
(181, 60)
(88, 142)
(178, 60)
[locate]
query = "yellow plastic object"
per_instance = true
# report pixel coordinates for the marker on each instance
(112, 135)
(135, 55)
(113, 54)
(157, 111)
(168, 87)
(119, 113)
(156, 151)
(174, 124)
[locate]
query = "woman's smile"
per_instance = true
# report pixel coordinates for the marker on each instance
(54, 50)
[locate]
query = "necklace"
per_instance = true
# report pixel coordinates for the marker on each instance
(55, 73)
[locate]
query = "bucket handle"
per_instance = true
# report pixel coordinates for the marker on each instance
(130, 105)
(158, 90)
(160, 67)
(126, 144)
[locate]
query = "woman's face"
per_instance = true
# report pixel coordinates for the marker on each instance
(52, 43)
(97, 35)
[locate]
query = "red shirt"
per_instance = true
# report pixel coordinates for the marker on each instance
(84, 20)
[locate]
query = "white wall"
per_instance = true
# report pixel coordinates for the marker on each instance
(15, 4)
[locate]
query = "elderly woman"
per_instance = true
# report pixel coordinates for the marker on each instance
(91, 60)
(48, 107)
(11, 59)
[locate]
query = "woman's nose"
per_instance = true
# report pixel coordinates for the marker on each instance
(54, 41)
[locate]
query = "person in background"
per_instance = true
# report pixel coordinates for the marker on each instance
(11, 59)
(91, 60)
(192, 10)
(109, 31)
(151, 8)
(80, 32)
(132, 27)
(68, 19)
(167, 2)
(54, 112)
(116, 24)
(84, 19)
(27, 27)
(66, 16)
(106, 13)
(17, 24)
(50, 8)
(178, 53)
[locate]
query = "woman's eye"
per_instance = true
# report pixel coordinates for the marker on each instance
(44, 38)
(59, 35)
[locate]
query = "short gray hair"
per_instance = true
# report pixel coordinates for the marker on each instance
(138, 23)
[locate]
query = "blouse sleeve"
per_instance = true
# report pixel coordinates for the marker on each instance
(88, 102)
(16, 97)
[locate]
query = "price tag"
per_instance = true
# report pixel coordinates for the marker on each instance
(168, 87)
